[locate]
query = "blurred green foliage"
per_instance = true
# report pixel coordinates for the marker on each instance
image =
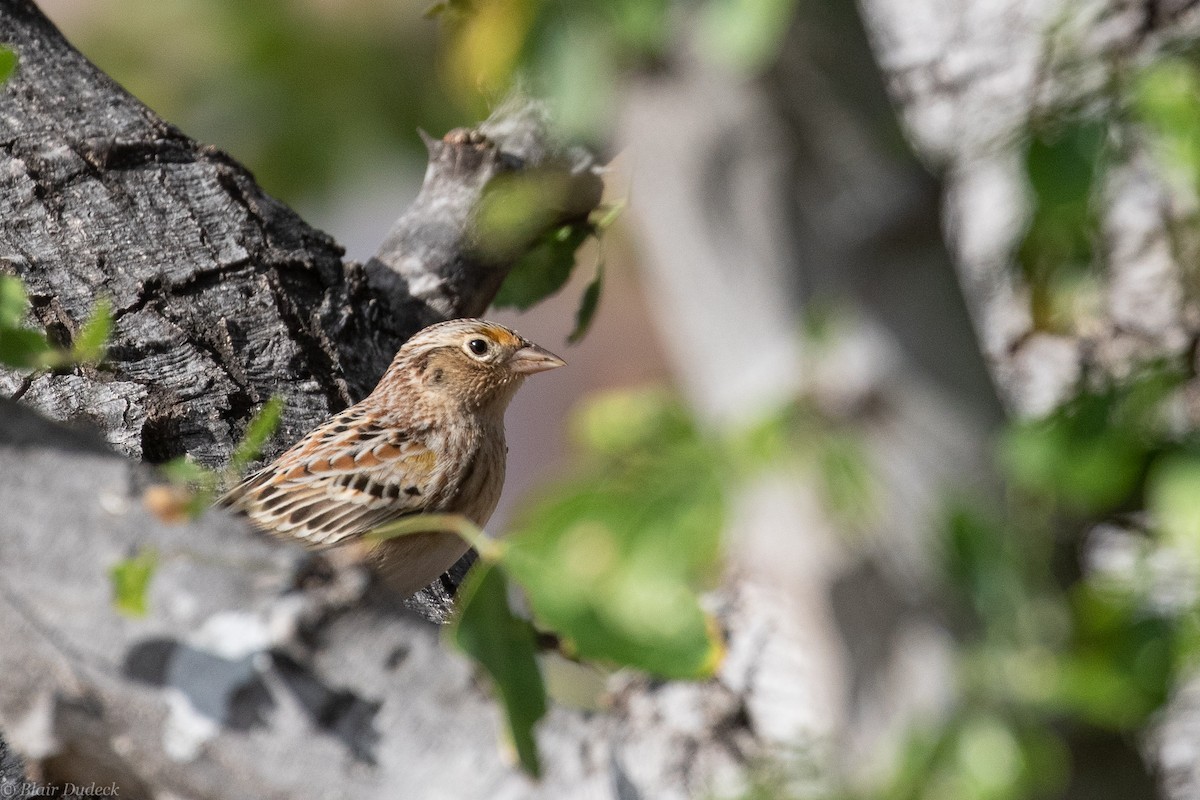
(543, 270)
(8, 63)
(299, 91)
(1058, 646)
(1091, 453)
(1166, 101)
(610, 561)
(515, 209)
(1065, 163)
(505, 645)
(25, 348)
(198, 485)
(130, 580)
(577, 54)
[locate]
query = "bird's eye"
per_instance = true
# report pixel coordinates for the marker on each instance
(478, 346)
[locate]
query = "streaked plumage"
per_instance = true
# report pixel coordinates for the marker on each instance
(429, 438)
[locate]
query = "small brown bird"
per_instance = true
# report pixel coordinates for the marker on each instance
(429, 438)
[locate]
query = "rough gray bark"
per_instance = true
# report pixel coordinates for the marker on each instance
(222, 295)
(255, 674)
(12, 769)
(258, 672)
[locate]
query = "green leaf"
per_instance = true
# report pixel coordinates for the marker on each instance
(613, 560)
(1065, 165)
(989, 758)
(184, 471)
(1167, 101)
(587, 306)
(543, 270)
(506, 647)
(14, 303)
(744, 34)
(8, 63)
(22, 348)
(578, 69)
(517, 210)
(1119, 669)
(88, 346)
(1173, 489)
(621, 423)
(602, 218)
(1088, 455)
(130, 580)
(260, 429)
(845, 477)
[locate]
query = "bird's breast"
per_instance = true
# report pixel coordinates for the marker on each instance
(482, 481)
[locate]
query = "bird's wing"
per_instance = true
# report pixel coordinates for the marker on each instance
(343, 479)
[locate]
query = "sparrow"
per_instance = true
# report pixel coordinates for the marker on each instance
(428, 438)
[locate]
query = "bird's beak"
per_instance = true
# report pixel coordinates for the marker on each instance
(531, 358)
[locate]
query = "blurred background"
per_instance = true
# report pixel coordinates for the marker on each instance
(901, 305)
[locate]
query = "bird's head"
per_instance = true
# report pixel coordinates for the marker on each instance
(473, 361)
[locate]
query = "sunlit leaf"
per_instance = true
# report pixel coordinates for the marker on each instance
(13, 302)
(603, 217)
(505, 646)
(130, 581)
(8, 63)
(517, 211)
(1173, 494)
(22, 348)
(990, 758)
(258, 431)
(1167, 101)
(745, 34)
(88, 346)
(612, 562)
(622, 422)
(485, 50)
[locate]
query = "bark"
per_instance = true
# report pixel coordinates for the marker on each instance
(12, 769)
(258, 670)
(222, 295)
(808, 179)
(762, 197)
